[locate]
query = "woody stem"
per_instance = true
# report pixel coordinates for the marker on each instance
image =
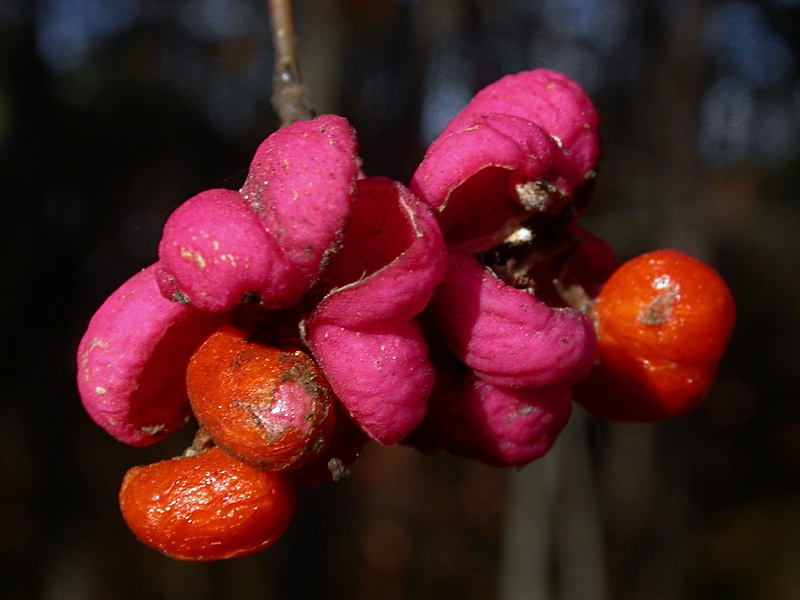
(289, 94)
(201, 442)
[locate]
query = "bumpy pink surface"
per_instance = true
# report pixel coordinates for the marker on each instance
(507, 335)
(469, 176)
(393, 257)
(496, 425)
(214, 250)
(382, 376)
(554, 102)
(536, 128)
(363, 332)
(132, 361)
(301, 184)
(495, 140)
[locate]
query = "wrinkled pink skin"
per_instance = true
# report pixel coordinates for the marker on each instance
(214, 251)
(301, 184)
(498, 426)
(554, 102)
(363, 332)
(370, 255)
(272, 239)
(394, 255)
(493, 140)
(132, 361)
(525, 146)
(382, 376)
(469, 176)
(508, 336)
(537, 128)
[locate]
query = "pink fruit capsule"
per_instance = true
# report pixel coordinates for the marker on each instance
(132, 361)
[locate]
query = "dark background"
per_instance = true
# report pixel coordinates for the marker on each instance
(112, 112)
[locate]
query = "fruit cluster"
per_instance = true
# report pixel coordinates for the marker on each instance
(317, 308)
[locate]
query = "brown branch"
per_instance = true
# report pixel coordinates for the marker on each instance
(289, 94)
(201, 442)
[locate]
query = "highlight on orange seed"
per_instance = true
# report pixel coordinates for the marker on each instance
(269, 407)
(663, 322)
(206, 507)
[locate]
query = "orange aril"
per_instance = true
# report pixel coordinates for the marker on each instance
(663, 322)
(206, 507)
(269, 407)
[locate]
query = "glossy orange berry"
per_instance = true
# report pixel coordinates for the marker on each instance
(269, 407)
(206, 507)
(663, 322)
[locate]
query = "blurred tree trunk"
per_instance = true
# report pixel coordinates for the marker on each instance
(644, 471)
(553, 535)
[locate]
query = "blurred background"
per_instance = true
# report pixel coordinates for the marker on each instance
(113, 112)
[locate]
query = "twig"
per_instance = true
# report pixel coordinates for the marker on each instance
(289, 94)
(201, 442)
(553, 520)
